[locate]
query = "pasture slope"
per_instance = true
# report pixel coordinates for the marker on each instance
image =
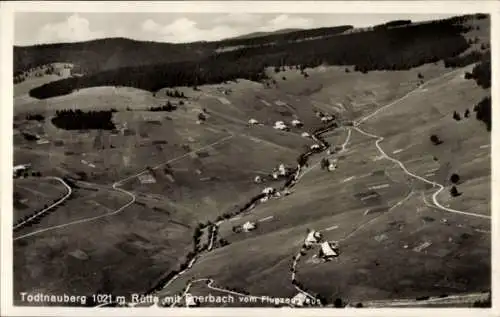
(370, 243)
(138, 192)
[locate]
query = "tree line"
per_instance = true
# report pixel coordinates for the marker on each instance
(381, 49)
(272, 39)
(84, 120)
(481, 73)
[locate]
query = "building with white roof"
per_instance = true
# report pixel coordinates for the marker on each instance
(248, 226)
(299, 299)
(326, 118)
(268, 190)
(328, 250)
(280, 125)
(305, 135)
(297, 123)
(190, 301)
(312, 238)
(282, 169)
(18, 169)
(315, 147)
(332, 167)
(257, 179)
(253, 121)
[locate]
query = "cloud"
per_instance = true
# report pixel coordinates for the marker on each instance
(239, 18)
(185, 30)
(74, 29)
(285, 21)
(225, 26)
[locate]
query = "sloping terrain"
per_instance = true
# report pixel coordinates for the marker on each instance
(155, 198)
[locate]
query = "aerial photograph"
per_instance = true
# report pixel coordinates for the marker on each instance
(258, 160)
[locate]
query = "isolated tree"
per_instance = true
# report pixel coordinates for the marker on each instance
(284, 78)
(347, 70)
(466, 113)
(454, 192)
(338, 303)
(435, 139)
(420, 76)
(322, 299)
(359, 305)
(324, 163)
(277, 69)
(456, 116)
(202, 117)
(454, 178)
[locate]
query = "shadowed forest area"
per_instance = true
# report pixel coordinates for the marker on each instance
(382, 48)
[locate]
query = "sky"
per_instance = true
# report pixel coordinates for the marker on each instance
(32, 28)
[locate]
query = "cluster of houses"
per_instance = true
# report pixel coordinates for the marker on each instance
(279, 125)
(270, 192)
(276, 173)
(327, 249)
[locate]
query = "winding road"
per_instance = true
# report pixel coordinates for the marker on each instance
(60, 201)
(115, 187)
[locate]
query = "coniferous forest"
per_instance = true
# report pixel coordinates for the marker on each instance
(397, 48)
(83, 120)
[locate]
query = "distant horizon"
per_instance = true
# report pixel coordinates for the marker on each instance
(44, 28)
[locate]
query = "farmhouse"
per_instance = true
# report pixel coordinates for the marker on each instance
(147, 178)
(332, 166)
(328, 250)
(191, 301)
(299, 300)
(315, 147)
(248, 226)
(312, 238)
(305, 135)
(297, 123)
(18, 169)
(268, 191)
(282, 169)
(253, 122)
(42, 141)
(280, 125)
(326, 119)
(275, 174)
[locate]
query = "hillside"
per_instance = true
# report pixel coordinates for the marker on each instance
(416, 44)
(112, 53)
(166, 163)
(261, 34)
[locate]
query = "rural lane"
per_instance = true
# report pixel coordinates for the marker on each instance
(434, 184)
(115, 187)
(60, 201)
(403, 167)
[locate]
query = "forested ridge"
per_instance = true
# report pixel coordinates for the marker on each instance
(103, 54)
(383, 48)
